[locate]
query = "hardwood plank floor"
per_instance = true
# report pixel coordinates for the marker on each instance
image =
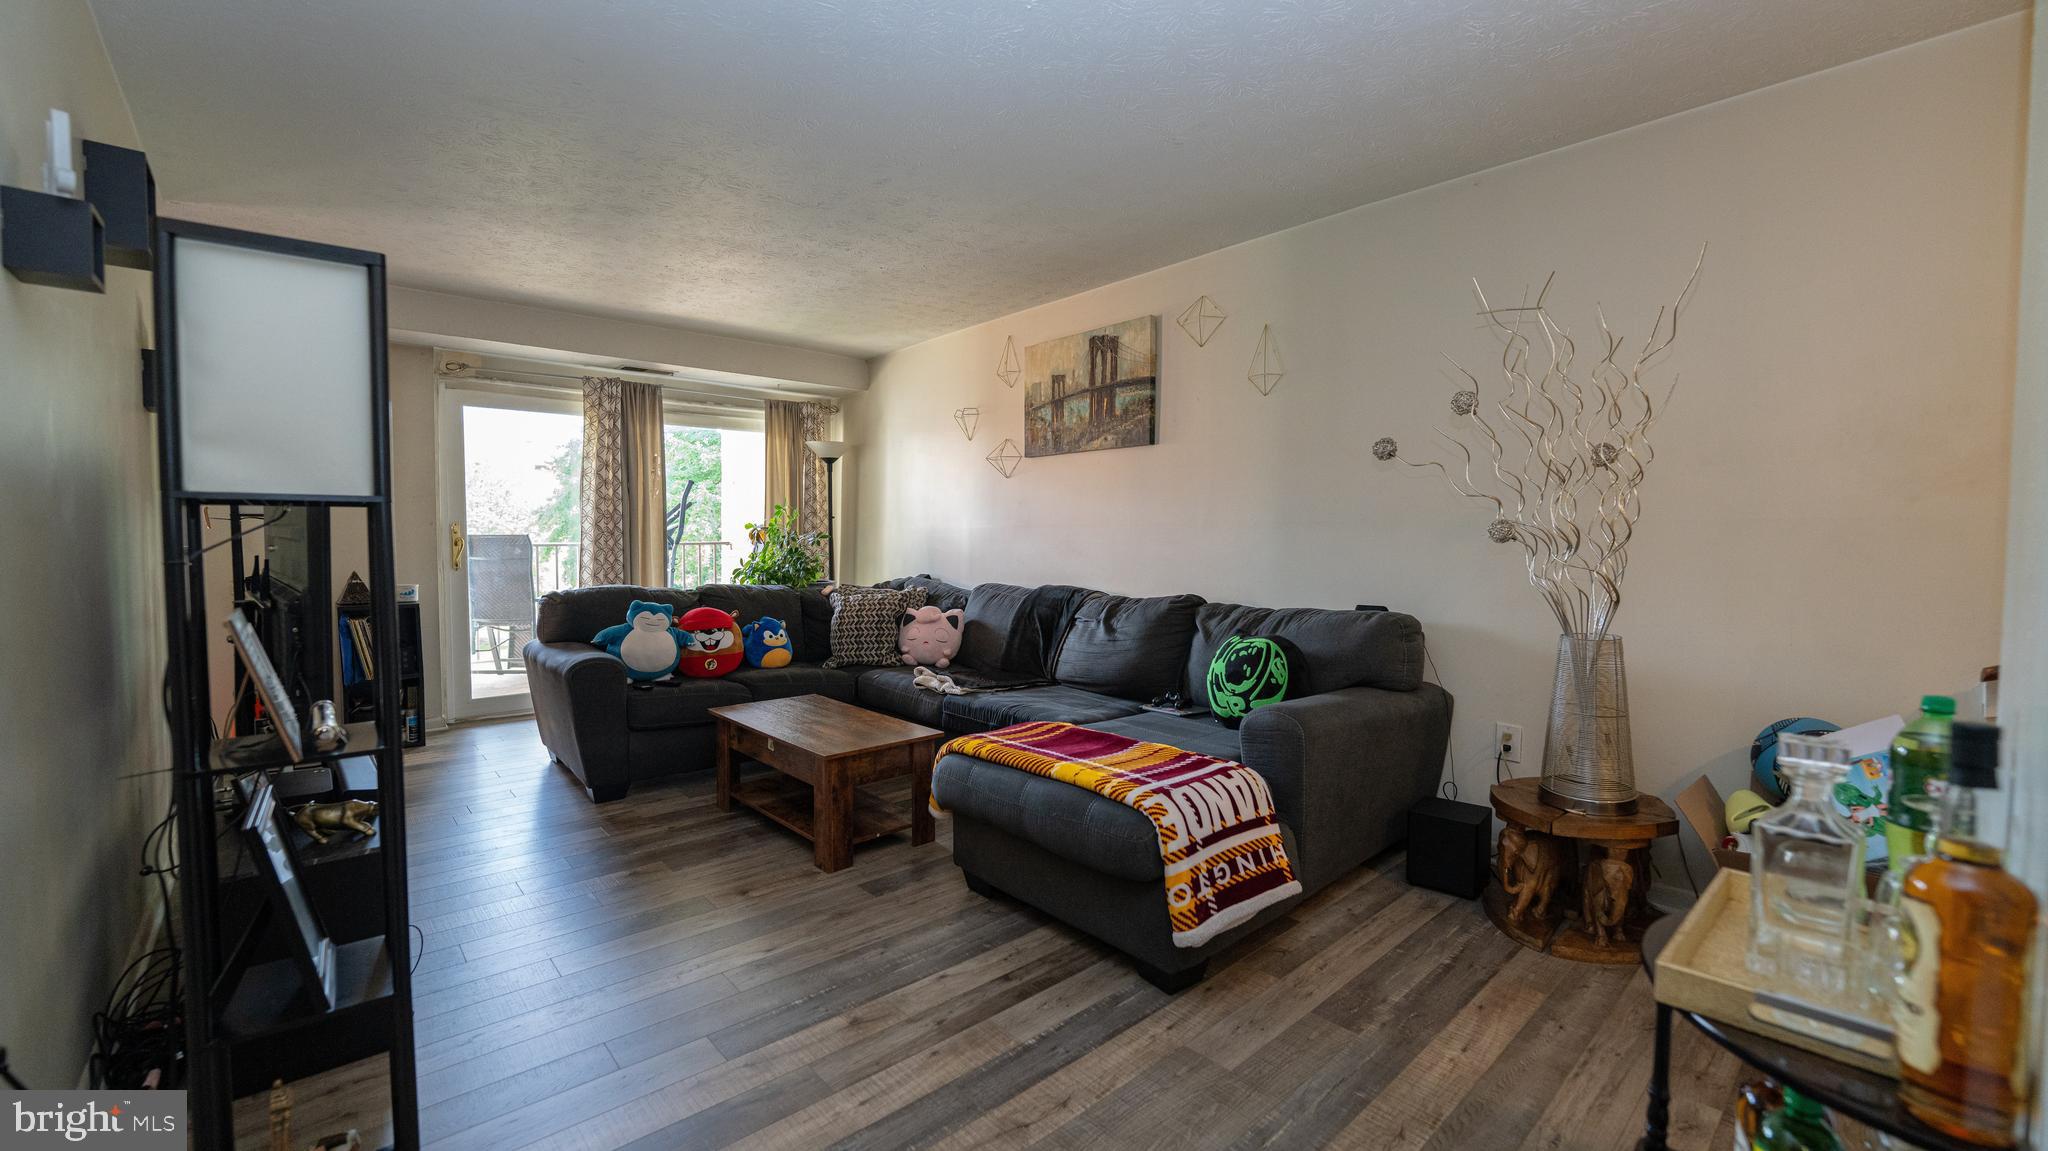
(655, 973)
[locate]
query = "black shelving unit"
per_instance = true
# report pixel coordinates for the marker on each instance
(245, 1027)
(358, 701)
(1865, 1096)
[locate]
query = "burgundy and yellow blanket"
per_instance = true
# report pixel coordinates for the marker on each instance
(1221, 848)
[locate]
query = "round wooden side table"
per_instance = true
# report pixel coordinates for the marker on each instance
(1574, 885)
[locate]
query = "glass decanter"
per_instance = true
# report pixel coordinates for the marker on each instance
(1806, 880)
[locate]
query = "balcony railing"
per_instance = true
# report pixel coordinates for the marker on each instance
(693, 564)
(696, 563)
(554, 565)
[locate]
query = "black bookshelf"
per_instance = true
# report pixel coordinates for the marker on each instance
(248, 1018)
(358, 702)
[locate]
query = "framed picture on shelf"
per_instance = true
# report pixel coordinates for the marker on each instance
(270, 689)
(312, 952)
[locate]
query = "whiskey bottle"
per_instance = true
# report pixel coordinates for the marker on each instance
(1754, 1100)
(1966, 926)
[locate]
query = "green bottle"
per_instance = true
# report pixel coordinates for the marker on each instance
(1797, 1124)
(1919, 757)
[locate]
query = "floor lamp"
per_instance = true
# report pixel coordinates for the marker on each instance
(829, 451)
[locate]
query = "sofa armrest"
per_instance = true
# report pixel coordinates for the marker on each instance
(579, 703)
(1345, 767)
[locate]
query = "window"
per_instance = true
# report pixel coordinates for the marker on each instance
(715, 478)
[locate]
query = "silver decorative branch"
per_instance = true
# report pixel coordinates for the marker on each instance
(1562, 462)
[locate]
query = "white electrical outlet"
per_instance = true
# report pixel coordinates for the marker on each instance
(1507, 739)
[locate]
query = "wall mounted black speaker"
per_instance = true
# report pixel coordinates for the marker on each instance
(1447, 848)
(54, 241)
(118, 183)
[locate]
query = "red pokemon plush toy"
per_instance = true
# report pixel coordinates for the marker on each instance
(712, 647)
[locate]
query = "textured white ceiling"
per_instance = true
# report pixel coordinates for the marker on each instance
(860, 176)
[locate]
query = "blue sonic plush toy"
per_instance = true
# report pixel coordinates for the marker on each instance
(647, 643)
(767, 643)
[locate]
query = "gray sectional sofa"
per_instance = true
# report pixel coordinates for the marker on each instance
(1362, 741)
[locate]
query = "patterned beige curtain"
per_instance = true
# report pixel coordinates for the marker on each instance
(625, 485)
(812, 472)
(795, 476)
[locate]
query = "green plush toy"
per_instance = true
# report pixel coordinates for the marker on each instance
(1249, 672)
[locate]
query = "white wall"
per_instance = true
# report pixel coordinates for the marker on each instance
(1825, 521)
(82, 618)
(416, 547)
(426, 318)
(2024, 664)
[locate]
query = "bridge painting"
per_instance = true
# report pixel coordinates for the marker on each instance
(1094, 390)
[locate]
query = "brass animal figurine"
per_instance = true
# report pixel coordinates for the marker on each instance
(1605, 904)
(323, 820)
(1512, 841)
(1533, 872)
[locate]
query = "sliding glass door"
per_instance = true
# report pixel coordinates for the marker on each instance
(510, 466)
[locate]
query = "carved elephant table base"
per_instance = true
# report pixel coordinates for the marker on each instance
(1574, 885)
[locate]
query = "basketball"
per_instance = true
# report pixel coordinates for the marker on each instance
(1763, 753)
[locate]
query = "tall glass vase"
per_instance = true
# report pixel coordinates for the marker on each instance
(1588, 761)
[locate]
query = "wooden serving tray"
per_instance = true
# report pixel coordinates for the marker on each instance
(1705, 970)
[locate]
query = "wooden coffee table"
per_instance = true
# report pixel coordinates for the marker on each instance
(822, 751)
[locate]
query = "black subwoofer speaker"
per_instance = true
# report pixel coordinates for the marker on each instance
(1447, 849)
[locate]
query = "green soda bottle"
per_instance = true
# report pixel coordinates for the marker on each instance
(1919, 757)
(1797, 1124)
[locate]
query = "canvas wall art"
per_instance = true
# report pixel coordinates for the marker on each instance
(1094, 390)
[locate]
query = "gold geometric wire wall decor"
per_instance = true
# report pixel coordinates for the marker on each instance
(1267, 366)
(1009, 368)
(968, 419)
(1201, 320)
(1005, 458)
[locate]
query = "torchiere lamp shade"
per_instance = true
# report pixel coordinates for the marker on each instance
(275, 353)
(827, 449)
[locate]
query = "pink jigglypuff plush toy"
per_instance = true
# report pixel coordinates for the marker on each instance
(929, 636)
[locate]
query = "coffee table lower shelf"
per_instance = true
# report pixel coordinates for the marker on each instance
(788, 802)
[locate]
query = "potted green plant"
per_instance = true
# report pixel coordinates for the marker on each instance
(782, 554)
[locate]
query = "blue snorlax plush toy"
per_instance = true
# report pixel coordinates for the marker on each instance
(767, 643)
(647, 643)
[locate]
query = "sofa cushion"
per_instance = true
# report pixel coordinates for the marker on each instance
(866, 622)
(580, 613)
(888, 689)
(994, 611)
(813, 625)
(937, 592)
(679, 702)
(747, 603)
(1339, 649)
(1132, 648)
(1200, 734)
(983, 710)
(795, 679)
(1070, 822)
